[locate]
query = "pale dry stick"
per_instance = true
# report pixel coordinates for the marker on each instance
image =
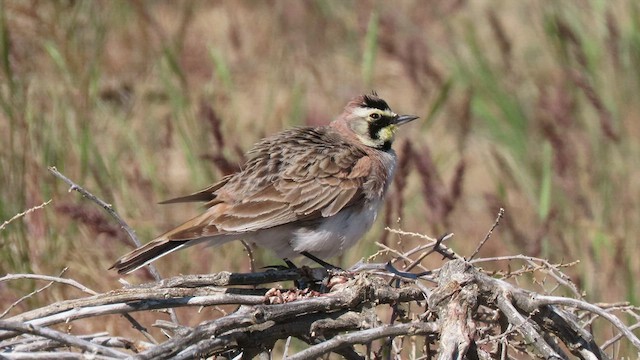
(408, 233)
(60, 280)
(525, 328)
(397, 348)
(107, 207)
(419, 248)
(545, 264)
(47, 355)
(252, 261)
(618, 336)
(36, 343)
(72, 283)
(28, 211)
(622, 307)
(436, 246)
(429, 245)
(23, 298)
(404, 256)
(617, 306)
(504, 335)
(410, 252)
(505, 344)
(70, 340)
(125, 301)
(387, 270)
(225, 278)
(558, 275)
(130, 232)
(398, 254)
(363, 337)
(488, 236)
(541, 300)
(285, 352)
(588, 318)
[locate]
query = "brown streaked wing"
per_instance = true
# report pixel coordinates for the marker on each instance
(318, 198)
(303, 191)
(312, 173)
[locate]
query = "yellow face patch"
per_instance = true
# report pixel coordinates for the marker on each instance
(387, 133)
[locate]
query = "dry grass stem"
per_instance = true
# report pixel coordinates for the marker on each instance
(24, 213)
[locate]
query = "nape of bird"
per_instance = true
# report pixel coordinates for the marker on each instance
(310, 191)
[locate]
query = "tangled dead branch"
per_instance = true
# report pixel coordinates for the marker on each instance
(457, 311)
(468, 313)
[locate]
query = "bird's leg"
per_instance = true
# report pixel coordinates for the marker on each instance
(301, 283)
(290, 264)
(323, 263)
(304, 283)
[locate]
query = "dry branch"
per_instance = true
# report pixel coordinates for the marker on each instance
(463, 310)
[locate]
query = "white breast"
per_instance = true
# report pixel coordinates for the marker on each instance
(337, 233)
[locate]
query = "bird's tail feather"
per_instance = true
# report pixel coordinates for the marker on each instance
(146, 254)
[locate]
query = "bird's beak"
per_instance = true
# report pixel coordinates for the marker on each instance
(403, 119)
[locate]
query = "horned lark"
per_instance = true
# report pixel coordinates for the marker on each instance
(305, 191)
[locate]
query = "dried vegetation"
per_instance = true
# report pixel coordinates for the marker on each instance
(527, 106)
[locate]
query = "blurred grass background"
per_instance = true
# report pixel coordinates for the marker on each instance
(531, 106)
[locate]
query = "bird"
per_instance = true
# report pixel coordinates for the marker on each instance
(311, 191)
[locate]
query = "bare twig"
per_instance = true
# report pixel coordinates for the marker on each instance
(618, 336)
(79, 286)
(488, 236)
(363, 337)
(56, 279)
(17, 216)
(402, 256)
(252, 260)
(130, 300)
(107, 207)
(130, 232)
(23, 298)
(30, 344)
(541, 300)
(47, 355)
(61, 337)
(546, 266)
(524, 326)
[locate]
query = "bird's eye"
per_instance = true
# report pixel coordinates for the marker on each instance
(375, 116)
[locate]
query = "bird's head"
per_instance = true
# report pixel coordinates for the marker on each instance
(371, 121)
